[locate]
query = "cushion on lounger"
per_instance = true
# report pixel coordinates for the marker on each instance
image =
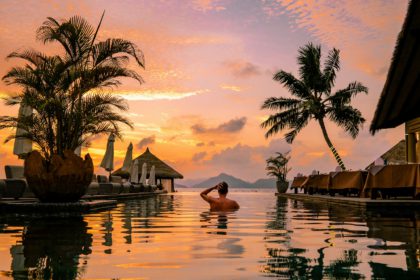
(14, 171)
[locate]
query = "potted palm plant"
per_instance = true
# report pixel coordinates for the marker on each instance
(277, 167)
(67, 94)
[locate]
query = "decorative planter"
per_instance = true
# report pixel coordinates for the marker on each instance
(282, 186)
(65, 179)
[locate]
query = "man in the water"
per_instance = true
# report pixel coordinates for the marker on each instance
(222, 203)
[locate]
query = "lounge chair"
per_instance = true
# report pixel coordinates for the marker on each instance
(105, 187)
(2, 187)
(16, 185)
(93, 186)
(117, 186)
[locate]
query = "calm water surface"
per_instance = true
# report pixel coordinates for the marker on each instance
(176, 237)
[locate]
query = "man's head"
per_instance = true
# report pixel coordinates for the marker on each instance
(222, 188)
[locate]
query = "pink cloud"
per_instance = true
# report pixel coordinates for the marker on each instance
(362, 29)
(241, 68)
(208, 5)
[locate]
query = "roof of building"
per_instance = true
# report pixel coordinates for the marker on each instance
(162, 170)
(395, 155)
(400, 98)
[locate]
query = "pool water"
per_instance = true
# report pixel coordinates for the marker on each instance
(176, 237)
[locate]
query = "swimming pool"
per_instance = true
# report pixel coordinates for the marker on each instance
(176, 237)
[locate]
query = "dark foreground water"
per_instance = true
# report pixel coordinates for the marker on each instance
(176, 237)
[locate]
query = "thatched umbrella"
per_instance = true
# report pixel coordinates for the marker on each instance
(143, 174)
(78, 151)
(134, 177)
(22, 146)
(152, 178)
(108, 160)
(128, 160)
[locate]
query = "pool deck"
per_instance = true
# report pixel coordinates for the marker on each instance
(123, 196)
(34, 206)
(354, 201)
(88, 203)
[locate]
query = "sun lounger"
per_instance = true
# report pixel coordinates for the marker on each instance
(298, 183)
(125, 187)
(117, 186)
(15, 188)
(14, 171)
(93, 186)
(347, 182)
(104, 186)
(16, 185)
(317, 184)
(2, 188)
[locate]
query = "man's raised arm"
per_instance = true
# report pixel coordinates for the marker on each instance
(204, 193)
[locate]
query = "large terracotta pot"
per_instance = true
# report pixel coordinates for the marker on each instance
(65, 179)
(282, 186)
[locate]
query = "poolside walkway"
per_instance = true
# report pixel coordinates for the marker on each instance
(34, 206)
(123, 196)
(354, 201)
(88, 203)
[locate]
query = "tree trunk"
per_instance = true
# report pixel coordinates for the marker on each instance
(330, 145)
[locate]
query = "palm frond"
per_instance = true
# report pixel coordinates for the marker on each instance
(297, 126)
(345, 95)
(280, 103)
(309, 60)
(106, 50)
(296, 87)
(280, 121)
(331, 66)
(347, 117)
(32, 56)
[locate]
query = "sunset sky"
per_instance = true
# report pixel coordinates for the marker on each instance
(209, 67)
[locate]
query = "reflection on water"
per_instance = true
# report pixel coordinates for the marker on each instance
(177, 235)
(352, 241)
(51, 249)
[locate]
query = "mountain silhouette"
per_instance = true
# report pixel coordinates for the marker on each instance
(234, 182)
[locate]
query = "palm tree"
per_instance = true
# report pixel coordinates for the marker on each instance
(67, 92)
(277, 166)
(314, 99)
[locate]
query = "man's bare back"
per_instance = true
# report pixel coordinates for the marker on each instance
(222, 203)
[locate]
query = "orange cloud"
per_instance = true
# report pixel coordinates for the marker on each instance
(157, 94)
(231, 87)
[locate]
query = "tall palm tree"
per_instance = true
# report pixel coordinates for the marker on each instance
(68, 92)
(314, 99)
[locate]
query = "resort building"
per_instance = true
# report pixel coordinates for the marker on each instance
(396, 155)
(400, 99)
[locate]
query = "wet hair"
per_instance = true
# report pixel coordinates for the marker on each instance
(223, 188)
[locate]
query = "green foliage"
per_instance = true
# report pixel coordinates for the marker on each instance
(68, 92)
(277, 166)
(313, 98)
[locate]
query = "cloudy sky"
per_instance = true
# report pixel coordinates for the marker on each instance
(209, 67)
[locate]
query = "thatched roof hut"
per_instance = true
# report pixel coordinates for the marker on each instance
(395, 155)
(400, 98)
(162, 169)
(165, 174)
